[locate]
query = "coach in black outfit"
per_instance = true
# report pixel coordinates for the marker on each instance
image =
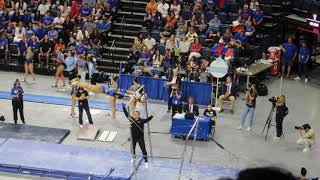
(17, 101)
(82, 97)
(191, 108)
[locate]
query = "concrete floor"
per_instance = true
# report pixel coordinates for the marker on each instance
(243, 148)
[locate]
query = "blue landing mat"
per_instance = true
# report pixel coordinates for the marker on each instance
(168, 169)
(59, 101)
(36, 133)
(63, 161)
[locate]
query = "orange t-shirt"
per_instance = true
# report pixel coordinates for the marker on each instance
(152, 7)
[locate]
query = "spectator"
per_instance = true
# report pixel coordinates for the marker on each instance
(26, 18)
(78, 22)
(152, 7)
(164, 35)
(43, 8)
(195, 49)
(157, 59)
(9, 31)
(163, 8)
(96, 12)
(149, 42)
(253, 5)
(95, 41)
(228, 91)
(241, 37)
(191, 35)
(10, 7)
(32, 7)
(171, 43)
(237, 25)
(257, 16)
(19, 32)
(290, 52)
(132, 60)
(106, 11)
(191, 107)
(202, 24)
(176, 8)
(210, 5)
(21, 6)
(45, 50)
(40, 32)
(138, 41)
(58, 21)
(74, 10)
(47, 20)
(145, 56)
(1, 26)
(184, 46)
(249, 28)
(34, 44)
(214, 24)
(22, 48)
(303, 173)
(104, 26)
(16, 17)
(53, 34)
(4, 49)
(245, 13)
(171, 20)
(81, 49)
(65, 9)
(149, 20)
(197, 6)
(29, 30)
(89, 26)
(59, 46)
(304, 56)
(218, 48)
(192, 69)
(85, 10)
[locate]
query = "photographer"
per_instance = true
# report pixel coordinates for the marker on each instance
(176, 96)
(281, 112)
(307, 137)
(250, 106)
(17, 101)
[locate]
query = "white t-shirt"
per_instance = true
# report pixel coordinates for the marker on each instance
(18, 33)
(43, 8)
(58, 21)
(163, 9)
(184, 46)
(176, 9)
(150, 43)
(64, 13)
(254, 5)
(22, 8)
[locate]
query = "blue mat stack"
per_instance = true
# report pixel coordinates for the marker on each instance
(59, 101)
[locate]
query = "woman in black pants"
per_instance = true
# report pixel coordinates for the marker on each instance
(17, 101)
(82, 96)
(281, 112)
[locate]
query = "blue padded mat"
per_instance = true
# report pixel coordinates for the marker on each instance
(168, 169)
(59, 101)
(36, 133)
(41, 156)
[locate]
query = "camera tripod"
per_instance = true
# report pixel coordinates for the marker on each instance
(268, 122)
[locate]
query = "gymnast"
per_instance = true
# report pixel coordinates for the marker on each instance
(114, 92)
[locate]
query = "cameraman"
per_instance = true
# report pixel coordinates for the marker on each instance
(176, 96)
(17, 101)
(281, 112)
(251, 96)
(307, 137)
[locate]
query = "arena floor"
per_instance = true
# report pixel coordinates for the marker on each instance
(243, 148)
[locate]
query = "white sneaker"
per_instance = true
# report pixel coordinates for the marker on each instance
(276, 138)
(146, 165)
(297, 78)
(23, 80)
(306, 80)
(133, 159)
(249, 128)
(306, 150)
(239, 128)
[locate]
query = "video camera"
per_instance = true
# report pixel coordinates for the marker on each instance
(298, 127)
(273, 99)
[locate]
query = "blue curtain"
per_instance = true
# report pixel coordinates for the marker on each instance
(156, 89)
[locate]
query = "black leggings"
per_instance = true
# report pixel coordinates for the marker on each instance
(86, 108)
(169, 98)
(140, 140)
(17, 105)
(279, 121)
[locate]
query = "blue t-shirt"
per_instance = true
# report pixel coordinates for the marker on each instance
(47, 20)
(257, 15)
(91, 68)
(53, 35)
(15, 91)
(70, 62)
(40, 33)
(84, 12)
(102, 26)
(242, 38)
(175, 100)
(22, 46)
(215, 22)
(1, 25)
(34, 44)
(3, 43)
(29, 32)
(26, 19)
(290, 49)
(80, 49)
(304, 55)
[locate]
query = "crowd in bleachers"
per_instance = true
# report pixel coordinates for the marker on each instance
(191, 34)
(49, 25)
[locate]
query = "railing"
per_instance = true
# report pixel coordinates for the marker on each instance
(121, 25)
